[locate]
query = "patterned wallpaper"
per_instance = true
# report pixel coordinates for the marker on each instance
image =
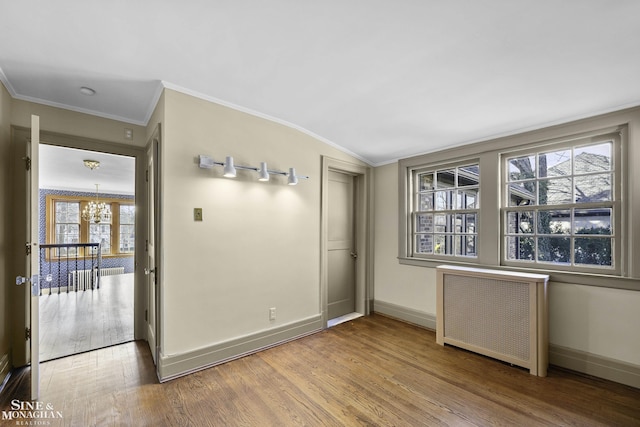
(58, 270)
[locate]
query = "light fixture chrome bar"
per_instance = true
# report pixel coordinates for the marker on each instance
(206, 162)
(275, 172)
(248, 168)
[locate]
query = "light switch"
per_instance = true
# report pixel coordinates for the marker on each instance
(197, 214)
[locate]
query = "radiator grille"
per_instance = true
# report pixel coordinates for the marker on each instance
(496, 313)
(492, 314)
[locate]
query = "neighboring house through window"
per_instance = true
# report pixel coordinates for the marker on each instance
(445, 214)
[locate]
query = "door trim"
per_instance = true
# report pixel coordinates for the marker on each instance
(154, 145)
(363, 232)
(21, 133)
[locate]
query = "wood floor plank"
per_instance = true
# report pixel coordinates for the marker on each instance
(372, 371)
(76, 322)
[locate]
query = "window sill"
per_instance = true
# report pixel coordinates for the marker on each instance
(600, 280)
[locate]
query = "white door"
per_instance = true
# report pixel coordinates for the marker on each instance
(151, 270)
(341, 253)
(33, 255)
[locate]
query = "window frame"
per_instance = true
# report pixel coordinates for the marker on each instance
(624, 123)
(414, 210)
(51, 199)
(617, 225)
(120, 224)
(54, 231)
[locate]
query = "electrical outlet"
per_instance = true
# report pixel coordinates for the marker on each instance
(272, 313)
(197, 214)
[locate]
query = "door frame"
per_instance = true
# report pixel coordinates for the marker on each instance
(19, 135)
(363, 231)
(154, 145)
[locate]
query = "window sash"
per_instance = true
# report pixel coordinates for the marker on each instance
(445, 211)
(67, 226)
(575, 185)
(112, 243)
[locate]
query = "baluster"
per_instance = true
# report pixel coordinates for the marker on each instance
(75, 282)
(58, 258)
(66, 264)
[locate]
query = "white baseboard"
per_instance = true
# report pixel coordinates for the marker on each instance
(592, 364)
(175, 366)
(410, 315)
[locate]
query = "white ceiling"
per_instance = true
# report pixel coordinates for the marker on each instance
(382, 79)
(63, 169)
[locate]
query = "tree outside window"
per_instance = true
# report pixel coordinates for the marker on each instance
(560, 206)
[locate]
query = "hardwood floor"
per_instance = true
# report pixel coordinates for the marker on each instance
(372, 371)
(75, 322)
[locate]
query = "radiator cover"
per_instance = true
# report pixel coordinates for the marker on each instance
(499, 314)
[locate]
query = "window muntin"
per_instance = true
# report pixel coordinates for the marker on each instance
(127, 228)
(67, 226)
(78, 231)
(101, 233)
(560, 207)
(446, 211)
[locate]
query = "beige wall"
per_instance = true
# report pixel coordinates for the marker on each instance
(259, 243)
(77, 124)
(596, 320)
(157, 118)
(5, 282)
(404, 285)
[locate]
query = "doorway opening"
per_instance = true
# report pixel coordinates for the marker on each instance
(345, 267)
(87, 237)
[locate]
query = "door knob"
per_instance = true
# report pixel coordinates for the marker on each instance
(354, 255)
(148, 272)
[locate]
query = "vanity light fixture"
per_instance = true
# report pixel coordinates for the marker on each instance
(206, 162)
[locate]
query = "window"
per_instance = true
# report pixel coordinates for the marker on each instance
(446, 206)
(127, 228)
(64, 225)
(101, 233)
(67, 228)
(559, 205)
(561, 200)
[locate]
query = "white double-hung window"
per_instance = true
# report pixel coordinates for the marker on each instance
(561, 205)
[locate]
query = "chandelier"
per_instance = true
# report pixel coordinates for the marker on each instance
(95, 211)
